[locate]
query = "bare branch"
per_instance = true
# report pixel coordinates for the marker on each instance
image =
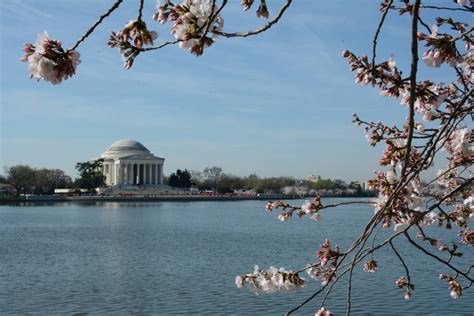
(465, 275)
(285, 6)
(377, 32)
(92, 28)
(402, 261)
(161, 45)
(466, 9)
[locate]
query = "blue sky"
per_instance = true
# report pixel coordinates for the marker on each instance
(276, 104)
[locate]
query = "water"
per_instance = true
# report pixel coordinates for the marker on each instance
(181, 258)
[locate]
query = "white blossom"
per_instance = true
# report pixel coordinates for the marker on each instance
(391, 177)
(283, 217)
(460, 143)
(433, 58)
(308, 207)
(239, 281)
(270, 281)
(197, 17)
(48, 61)
(469, 202)
(324, 312)
(392, 63)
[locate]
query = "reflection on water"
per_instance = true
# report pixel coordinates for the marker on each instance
(181, 257)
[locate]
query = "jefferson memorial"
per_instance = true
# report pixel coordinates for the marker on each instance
(129, 162)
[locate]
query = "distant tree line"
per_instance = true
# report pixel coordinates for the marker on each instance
(216, 180)
(27, 180)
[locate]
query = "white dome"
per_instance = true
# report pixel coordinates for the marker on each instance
(124, 148)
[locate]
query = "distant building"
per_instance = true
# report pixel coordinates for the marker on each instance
(314, 178)
(129, 162)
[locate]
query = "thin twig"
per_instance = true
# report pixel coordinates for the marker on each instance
(427, 27)
(161, 45)
(285, 6)
(92, 28)
(402, 261)
(210, 19)
(447, 8)
(438, 258)
(377, 32)
(347, 203)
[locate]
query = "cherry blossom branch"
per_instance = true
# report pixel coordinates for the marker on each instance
(444, 132)
(161, 45)
(211, 18)
(438, 258)
(439, 176)
(432, 149)
(450, 120)
(403, 263)
(267, 26)
(363, 236)
(314, 295)
(347, 203)
(360, 257)
(99, 21)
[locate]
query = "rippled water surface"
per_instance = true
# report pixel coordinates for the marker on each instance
(181, 258)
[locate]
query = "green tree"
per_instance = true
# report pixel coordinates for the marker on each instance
(21, 177)
(229, 183)
(180, 179)
(90, 174)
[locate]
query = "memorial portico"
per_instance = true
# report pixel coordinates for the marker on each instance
(129, 162)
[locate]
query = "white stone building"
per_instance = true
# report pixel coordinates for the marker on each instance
(128, 162)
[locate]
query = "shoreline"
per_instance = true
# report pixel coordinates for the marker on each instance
(48, 199)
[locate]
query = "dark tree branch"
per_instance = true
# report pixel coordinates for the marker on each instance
(414, 69)
(267, 26)
(377, 32)
(466, 9)
(140, 9)
(99, 21)
(402, 261)
(161, 45)
(465, 275)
